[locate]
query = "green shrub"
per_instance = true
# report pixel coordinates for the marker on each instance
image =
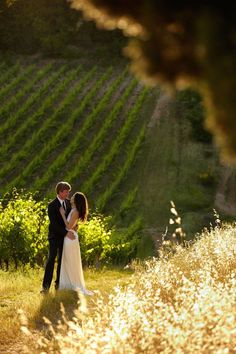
(101, 244)
(191, 108)
(24, 233)
(23, 230)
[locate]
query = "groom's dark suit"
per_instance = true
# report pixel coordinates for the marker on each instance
(57, 232)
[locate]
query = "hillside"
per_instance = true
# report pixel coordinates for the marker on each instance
(128, 147)
(71, 121)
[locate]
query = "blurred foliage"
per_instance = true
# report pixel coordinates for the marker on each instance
(177, 44)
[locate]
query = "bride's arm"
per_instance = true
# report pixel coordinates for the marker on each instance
(73, 220)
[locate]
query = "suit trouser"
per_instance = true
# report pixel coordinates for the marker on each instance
(55, 248)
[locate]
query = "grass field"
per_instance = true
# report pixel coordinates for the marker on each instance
(182, 302)
(20, 290)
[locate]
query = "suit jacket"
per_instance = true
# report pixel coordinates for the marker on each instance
(57, 227)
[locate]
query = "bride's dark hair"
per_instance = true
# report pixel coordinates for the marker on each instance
(81, 205)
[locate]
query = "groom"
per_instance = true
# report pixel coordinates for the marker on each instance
(57, 232)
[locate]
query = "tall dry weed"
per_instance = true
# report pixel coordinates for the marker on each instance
(183, 303)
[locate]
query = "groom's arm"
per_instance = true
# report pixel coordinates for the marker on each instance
(56, 227)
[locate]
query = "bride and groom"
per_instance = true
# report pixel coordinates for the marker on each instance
(64, 216)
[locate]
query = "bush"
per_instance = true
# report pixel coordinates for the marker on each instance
(24, 234)
(23, 230)
(191, 107)
(101, 244)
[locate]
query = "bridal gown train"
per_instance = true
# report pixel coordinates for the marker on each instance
(71, 274)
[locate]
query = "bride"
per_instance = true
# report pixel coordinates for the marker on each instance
(71, 275)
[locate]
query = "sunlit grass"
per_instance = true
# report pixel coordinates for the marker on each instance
(20, 290)
(183, 302)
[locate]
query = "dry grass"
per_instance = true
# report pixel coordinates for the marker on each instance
(20, 290)
(181, 303)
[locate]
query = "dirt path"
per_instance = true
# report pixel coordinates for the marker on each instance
(154, 167)
(162, 105)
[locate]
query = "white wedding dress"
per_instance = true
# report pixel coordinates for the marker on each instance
(71, 274)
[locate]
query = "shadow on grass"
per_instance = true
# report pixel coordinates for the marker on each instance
(50, 308)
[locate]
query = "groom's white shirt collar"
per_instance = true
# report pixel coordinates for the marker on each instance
(60, 200)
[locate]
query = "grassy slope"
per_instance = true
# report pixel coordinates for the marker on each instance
(169, 167)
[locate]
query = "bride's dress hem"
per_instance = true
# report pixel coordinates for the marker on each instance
(77, 289)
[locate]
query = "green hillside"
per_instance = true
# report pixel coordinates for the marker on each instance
(128, 147)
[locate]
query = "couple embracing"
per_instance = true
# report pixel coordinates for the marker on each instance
(64, 216)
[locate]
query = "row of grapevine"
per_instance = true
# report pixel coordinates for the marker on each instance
(45, 128)
(61, 160)
(6, 89)
(9, 105)
(123, 170)
(69, 122)
(7, 75)
(32, 121)
(21, 118)
(84, 160)
(120, 139)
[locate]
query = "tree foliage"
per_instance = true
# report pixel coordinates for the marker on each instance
(29, 26)
(50, 27)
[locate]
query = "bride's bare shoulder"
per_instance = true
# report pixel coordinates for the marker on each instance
(75, 212)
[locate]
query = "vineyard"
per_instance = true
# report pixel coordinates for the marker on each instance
(66, 121)
(126, 146)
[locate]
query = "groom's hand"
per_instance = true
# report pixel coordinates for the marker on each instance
(70, 235)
